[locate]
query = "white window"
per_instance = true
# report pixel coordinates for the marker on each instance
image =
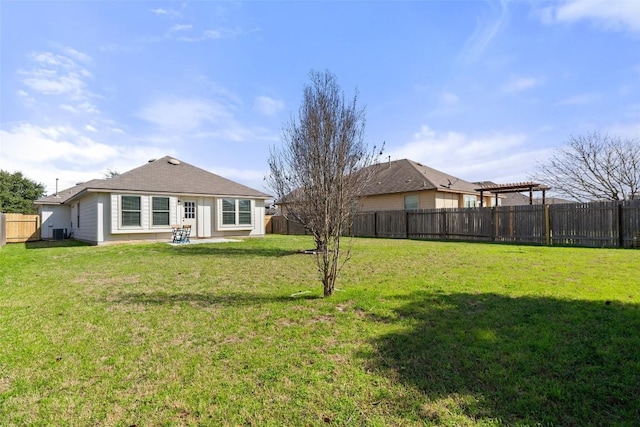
(236, 212)
(130, 211)
(160, 214)
(470, 201)
(189, 210)
(410, 202)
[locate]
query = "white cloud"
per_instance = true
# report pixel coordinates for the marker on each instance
(495, 156)
(582, 99)
(617, 15)
(450, 99)
(252, 178)
(77, 55)
(222, 33)
(268, 106)
(45, 153)
(181, 27)
(186, 114)
(165, 12)
(625, 130)
(175, 119)
(90, 128)
(56, 74)
(212, 34)
(520, 84)
(486, 30)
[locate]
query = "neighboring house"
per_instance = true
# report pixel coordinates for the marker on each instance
(519, 199)
(143, 204)
(405, 184)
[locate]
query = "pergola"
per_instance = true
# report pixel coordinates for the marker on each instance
(519, 187)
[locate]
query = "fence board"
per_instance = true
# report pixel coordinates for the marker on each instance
(22, 228)
(364, 225)
(592, 224)
(3, 230)
(630, 222)
(520, 224)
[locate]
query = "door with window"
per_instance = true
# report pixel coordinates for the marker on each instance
(189, 215)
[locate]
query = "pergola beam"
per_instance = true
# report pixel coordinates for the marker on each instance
(513, 188)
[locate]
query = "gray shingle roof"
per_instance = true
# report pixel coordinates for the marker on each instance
(165, 175)
(405, 175)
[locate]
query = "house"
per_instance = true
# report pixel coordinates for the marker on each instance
(143, 204)
(405, 184)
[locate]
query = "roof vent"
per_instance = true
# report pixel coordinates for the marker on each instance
(152, 160)
(78, 183)
(174, 161)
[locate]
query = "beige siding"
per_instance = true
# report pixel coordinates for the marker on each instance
(88, 212)
(447, 200)
(428, 199)
(389, 202)
(385, 202)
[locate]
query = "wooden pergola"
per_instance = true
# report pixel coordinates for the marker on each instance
(519, 187)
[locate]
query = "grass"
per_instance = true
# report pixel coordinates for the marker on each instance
(420, 333)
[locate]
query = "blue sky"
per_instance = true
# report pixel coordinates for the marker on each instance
(482, 90)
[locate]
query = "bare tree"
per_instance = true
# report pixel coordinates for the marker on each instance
(111, 173)
(594, 166)
(319, 172)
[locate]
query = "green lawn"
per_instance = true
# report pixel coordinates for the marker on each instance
(419, 333)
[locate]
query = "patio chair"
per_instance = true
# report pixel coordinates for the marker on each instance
(176, 233)
(186, 232)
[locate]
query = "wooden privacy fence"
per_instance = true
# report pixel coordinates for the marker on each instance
(595, 224)
(21, 227)
(3, 230)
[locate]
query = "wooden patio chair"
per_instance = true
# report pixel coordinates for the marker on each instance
(176, 233)
(186, 232)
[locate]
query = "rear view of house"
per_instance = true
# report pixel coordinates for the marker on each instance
(143, 204)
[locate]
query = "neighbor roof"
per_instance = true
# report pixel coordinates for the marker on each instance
(400, 176)
(165, 175)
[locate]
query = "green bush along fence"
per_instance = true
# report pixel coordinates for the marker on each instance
(594, 224)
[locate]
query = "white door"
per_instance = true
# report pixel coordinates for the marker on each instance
(189, 215)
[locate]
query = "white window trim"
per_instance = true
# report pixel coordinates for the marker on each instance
(129, 227)
(151, 224)
(235, 226)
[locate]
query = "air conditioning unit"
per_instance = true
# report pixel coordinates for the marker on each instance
(59, 233)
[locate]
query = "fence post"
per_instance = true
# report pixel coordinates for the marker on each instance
(511, 223)
(547, 225)
(406, 225)
(620, 227)
(375, 224)
(494, 222)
